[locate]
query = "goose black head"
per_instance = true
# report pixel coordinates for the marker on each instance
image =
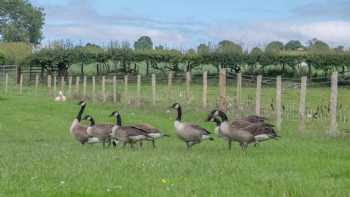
(82, 103)
(115, 113)
(211, 116)
(175, 106)
(88, 117)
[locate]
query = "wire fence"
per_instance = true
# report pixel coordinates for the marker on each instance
(237, 94)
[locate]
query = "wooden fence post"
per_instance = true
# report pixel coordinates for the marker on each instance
(6, 82)
(114, 89)
(93, 88)
(18, 73)
(70, 81)
(302, 104)
(77, 83)
(138, 90)
(278, 102)
(258, 95)
(126, 89)
(333, 105)
(104, 96)
(84, 86)
(154, 93)
(62, 83)
(54, 85)
(222, 89)
(238, 90)
(36, 84)
(170, 83)
(20, 84)
(188, 87)
(205, 89)
(49, 85)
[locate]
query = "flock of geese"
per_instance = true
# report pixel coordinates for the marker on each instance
(245, 131)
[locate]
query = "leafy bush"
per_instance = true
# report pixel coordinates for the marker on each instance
(15, 52)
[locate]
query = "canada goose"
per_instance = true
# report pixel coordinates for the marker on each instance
(255, 125)
(191, 134)
(78, 131)
(100, 131)
(151, 131)
(126, 134)
(230, 132)
(60, 97)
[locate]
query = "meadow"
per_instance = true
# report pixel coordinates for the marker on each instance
(38, 157)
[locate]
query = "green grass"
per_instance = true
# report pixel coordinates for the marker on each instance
(38, 157)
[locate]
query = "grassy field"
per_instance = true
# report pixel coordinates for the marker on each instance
(38, 157)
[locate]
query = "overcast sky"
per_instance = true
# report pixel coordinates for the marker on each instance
(186, 23)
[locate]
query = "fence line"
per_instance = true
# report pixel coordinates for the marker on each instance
(278, 108)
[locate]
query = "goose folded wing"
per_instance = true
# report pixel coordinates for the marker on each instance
(133, 131)
(201, 129)
(146, 128)
(258, 129)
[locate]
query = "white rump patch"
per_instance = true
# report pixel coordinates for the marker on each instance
(137, 137)
(93, 140)
(155, 135)
(262, 137)
(205, 137)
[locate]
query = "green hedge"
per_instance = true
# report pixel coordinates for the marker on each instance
(15, 52)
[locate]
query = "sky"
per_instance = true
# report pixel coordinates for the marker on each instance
(185, 24)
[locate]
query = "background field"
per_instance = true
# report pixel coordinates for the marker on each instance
(38, 157)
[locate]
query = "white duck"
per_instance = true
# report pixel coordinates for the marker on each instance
(60, 97)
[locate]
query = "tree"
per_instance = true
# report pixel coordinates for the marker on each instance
(2, 59)
(227, 46)
(203, 49)
(274, 47)
(143, 43)
(316, 45)
(293, 45)
(256, 51)
(339, 49)
(20, 21)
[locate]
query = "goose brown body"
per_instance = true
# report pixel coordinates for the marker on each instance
(78, 131)
(190, 133)
(100, 131)
(127, 134)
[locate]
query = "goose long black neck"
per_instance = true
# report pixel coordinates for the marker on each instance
(179, 114)
(80, 113)
(92, 122)
(223, 116)
(118, 120)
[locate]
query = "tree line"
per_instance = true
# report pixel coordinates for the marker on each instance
(292, 59)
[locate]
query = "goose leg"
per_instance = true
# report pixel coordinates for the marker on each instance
(124, 144)
(141, 144)
(229, 144)
(153, 143)
(244, 146)
(189, 146)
